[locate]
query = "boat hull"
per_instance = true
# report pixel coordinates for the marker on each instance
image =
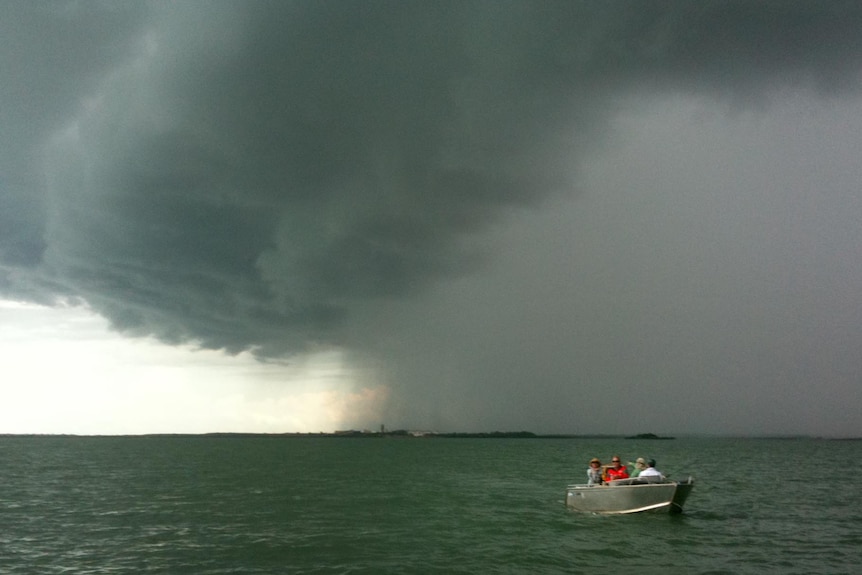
(629, 496)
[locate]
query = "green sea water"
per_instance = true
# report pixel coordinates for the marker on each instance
(291, 505)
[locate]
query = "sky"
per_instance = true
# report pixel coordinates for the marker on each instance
(562, 217)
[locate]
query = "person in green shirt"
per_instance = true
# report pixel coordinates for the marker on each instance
(637, 467)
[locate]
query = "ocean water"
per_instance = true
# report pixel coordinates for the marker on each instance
(314, 505)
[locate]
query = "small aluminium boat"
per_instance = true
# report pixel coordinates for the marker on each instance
(630, 495)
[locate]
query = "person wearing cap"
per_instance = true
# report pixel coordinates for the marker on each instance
(594, 473)
(637, 466)
(650, 471)
(617, 470)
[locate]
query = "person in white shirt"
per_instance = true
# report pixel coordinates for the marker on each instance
(650, 471)
(594, 473)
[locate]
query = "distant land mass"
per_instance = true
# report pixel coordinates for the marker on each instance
(403, 433)
(427, 434)
(647, 436)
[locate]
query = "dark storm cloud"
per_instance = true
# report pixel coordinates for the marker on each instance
(251, 174)
(51, 56)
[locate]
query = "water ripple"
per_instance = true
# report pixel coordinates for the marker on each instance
(212, 506)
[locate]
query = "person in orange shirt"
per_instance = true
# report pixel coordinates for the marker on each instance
(617, 470)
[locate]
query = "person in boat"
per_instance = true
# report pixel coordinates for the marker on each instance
(650, 471)
(637, 466)
(594, 473)
(617, 470)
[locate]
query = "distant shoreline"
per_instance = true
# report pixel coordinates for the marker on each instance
(426, 435)
(343, 434)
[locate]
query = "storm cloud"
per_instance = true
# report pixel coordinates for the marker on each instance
(288, 176)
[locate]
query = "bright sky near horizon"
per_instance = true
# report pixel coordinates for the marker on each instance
(564, 217)
(66, 372)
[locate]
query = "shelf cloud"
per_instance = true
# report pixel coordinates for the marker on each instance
(282, 177)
